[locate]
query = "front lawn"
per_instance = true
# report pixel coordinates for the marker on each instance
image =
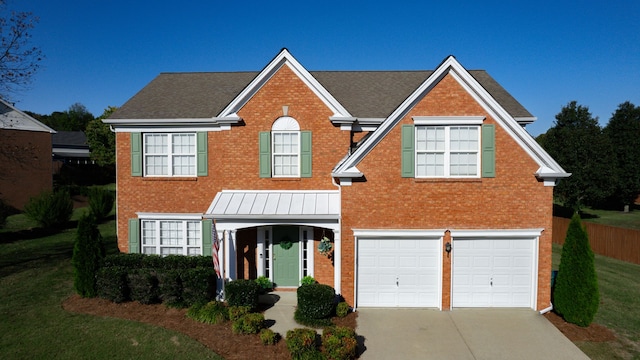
(36, 276)
(619, 284)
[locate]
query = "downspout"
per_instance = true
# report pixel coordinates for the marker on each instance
(337, 251)
(544, 311)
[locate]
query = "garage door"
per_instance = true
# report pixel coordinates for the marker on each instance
(493, 272)
(398, 273)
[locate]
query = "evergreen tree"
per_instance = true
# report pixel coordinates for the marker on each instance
(623, 131)
(88, 254)
(576, 294)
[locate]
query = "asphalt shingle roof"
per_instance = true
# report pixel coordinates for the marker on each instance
(365, 94)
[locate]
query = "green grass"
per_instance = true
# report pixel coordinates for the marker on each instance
(630, 220)
(36, 276)
(619, 284)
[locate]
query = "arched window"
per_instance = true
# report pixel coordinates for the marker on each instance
(285, 147)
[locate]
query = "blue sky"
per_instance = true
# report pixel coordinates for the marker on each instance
(545, 53)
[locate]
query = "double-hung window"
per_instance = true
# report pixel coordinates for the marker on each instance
(286, 153)
(447, 151)
(171, 154)
(171, 237)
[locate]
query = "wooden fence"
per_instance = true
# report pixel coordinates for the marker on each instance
(615, 242)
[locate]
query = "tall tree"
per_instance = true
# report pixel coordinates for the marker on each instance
(623, 131)
(18, 59)
(576, 141)
(76, 118)
(102, 141)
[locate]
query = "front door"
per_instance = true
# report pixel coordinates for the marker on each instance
(286, 261)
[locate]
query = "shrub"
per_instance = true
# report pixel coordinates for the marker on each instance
(101, 202)
(576, 292)
(268, 337)
(88, 254)
(316, 301)
(50, 209)
(248, 324)
(198, 285)
(170, 288)
(301, 343)
(129, 261)
(143, 286)
(213, 312)
(342, 309)
(111, 284)
(339, 343)
(308, 280)
(243, 293)
(5, 211)
(265, 284)
(236, 312)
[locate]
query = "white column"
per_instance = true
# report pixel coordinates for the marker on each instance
(231, 268)
(337, 261)
(260, 251)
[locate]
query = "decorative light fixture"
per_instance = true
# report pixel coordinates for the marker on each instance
(447, 247)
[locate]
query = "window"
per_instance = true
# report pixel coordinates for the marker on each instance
(447, 151)
(170, 154)
(165, 237)
(285, 151)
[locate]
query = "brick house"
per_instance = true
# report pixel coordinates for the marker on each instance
(25, 156)
(425, 183)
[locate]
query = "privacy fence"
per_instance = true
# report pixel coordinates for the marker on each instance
(618, 243)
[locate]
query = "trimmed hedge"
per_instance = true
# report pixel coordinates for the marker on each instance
(111, 284)
(170, 288)
(198, 285)
(316, 301)
(243, 293)
(143, 286)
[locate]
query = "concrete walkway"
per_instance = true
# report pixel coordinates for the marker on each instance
(474, 334)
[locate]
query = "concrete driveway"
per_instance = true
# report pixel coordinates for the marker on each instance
(461, 334)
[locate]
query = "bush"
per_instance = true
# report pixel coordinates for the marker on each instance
(5, 211)
(339, 343)
(50, 209)
(576, 292)
(101, 202)
(112, 284)
(265, 284)
(236, 312)
(143, 286)
(88, 254)
(316, 301)
(243, 293)
(308, 280)
(342, 309)
(170, 288)
(198, 285)
(301, 343)
(248, 324)
(213, 312)
(268, 337)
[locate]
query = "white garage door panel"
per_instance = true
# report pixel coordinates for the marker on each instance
(492, 272)
(398, 273)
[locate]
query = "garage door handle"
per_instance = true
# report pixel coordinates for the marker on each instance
(397, 281)
(491, 282)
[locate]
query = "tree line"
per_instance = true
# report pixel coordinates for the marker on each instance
(604, 162)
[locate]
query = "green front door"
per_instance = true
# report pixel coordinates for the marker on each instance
(286, 260)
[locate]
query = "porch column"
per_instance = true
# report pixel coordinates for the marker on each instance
(337, 261)
(230, 255)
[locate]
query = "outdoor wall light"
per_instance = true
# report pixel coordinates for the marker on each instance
(447, 247)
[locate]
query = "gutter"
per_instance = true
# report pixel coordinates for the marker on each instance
(544, 311)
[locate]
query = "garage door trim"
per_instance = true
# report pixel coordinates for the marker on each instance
(377, 234)
(515, 234)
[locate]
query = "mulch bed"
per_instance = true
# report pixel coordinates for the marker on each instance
(592, 333)
(218, 338)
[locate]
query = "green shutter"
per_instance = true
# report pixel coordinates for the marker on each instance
(206, 237)
(408, 151)
(265, 154)
(202, 153)
(305, 154)
(488, 151)
(136, 154)
(134, 236)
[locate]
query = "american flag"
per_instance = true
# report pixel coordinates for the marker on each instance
(215, 246)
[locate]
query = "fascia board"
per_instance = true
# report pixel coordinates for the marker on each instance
(37, 125)
(397, 233)
(282, 59)
(169, 216)
(496, 233)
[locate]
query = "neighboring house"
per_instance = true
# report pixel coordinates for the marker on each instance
(25, 156)
(426, 182)
(70, 147)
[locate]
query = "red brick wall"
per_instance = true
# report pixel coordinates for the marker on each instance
(513, 199)
(25, 165)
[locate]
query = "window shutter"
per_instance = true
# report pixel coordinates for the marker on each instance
(305, 154)
(265, 154)
(136, 154)
(408, 151)
(488, 151)
(134, 236)
(206, 237)
(202, 153)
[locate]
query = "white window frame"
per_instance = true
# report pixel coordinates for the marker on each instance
(285, 126)
(448, 123)
(154, 225)
(170, 154)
